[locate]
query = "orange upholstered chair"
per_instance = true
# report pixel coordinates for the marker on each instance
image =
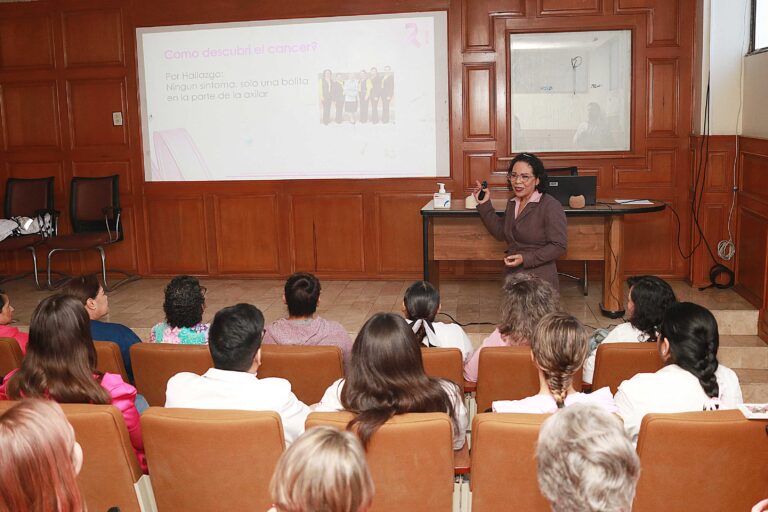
(617, 362)
(155, 363)
(445, 363)
(110, 468)
(10, 355)
(309, 369)
(503, 463)
(108, 358)
(411, 460)
(204, 460)
(715, 461)
(508, 373)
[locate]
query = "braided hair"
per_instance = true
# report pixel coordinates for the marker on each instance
(691, 331)
(559, 345)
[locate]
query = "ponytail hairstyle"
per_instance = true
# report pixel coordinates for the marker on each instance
(691, 331)
(559, 347)
(60, 363)
(651, 296)
(422, 301)
(386, 377)
(37, 467)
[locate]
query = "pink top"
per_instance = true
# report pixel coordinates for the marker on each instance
(313, 331)
(123, 397)
(6, 331)
(535, 198)
(542, 404)
(494, 340)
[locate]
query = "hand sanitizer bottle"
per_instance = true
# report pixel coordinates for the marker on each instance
(441, 198)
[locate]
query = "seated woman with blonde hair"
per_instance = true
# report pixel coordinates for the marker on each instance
(525, 298)
(39, 459)
(558, 349)
(323, 470)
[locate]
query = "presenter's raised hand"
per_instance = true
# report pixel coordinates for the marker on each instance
(477, 190)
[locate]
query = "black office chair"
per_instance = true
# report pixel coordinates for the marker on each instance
(31, 198)
(572, 171)
(94, 209)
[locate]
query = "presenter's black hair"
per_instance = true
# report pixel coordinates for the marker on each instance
(537, 166)
(302, 291)
(235, 337)
(691, 331)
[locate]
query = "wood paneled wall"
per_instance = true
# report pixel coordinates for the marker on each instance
(67, 65)
(752, 228)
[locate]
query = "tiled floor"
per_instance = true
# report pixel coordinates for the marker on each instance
(139, 304)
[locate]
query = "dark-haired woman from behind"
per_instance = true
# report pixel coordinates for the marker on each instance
(61, 365)
(691, 380)
(386, 377)
(648, 298)
(421, 305)
(184, 305)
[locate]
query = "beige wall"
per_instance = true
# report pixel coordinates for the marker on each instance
(755, 117)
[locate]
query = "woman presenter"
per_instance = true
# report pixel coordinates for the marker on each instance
(533, 224)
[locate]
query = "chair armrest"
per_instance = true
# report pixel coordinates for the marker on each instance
(114, 211)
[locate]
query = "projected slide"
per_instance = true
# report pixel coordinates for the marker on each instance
(352, 97)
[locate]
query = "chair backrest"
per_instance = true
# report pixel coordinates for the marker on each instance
(110, 468)
(10, 355)
(24, 197)
(88, 199)
(701, 461)
(155, 363)
(411, 460)
(445, 363)
(109, 359)
(309, 369)
(504, 464)
(211, 459)
(563, 171)
(617, 362)
(508, 373)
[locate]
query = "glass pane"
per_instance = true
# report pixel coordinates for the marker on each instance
(761, 24)
(571, 91)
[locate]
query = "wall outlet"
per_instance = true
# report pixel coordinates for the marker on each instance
(117, 119)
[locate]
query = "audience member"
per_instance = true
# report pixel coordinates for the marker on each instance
(235, 345)
(39, 459)
(303, 327)
(691, 380)
(585, 461)
(61, 365)
(324, 470)
(558, 346)
(648, 298)
(525, 299)
(386, 377)
(6, 317)
(86, 289)
(183, 306)
(421, 305)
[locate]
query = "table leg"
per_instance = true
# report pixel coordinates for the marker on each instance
(612, 305)
(431, 267)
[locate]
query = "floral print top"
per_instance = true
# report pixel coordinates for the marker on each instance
(164, 333)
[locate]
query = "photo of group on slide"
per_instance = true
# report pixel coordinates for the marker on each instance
(357, 97)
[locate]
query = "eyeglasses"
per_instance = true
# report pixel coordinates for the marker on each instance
(525, 178)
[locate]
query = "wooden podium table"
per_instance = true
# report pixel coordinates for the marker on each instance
(595, 233)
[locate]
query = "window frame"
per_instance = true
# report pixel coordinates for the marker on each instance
(752, 27)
